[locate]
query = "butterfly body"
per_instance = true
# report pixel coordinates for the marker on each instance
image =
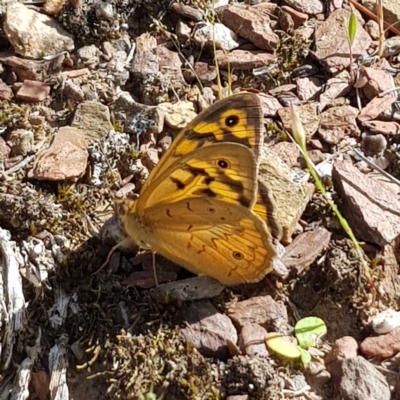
(196, 208)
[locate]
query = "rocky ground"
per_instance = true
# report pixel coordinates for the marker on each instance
(91, 95)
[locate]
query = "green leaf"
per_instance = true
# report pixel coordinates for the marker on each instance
(308, 330)
(305, 356)
(352, 28)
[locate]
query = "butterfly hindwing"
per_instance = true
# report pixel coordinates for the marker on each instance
(211, 237)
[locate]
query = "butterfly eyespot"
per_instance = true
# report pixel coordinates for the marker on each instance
(211, 210)
(237, 255)
(231, 121)
(223, 164)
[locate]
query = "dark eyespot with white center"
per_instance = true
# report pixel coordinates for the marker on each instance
(223, 164)
(237, 255)
(231, 121)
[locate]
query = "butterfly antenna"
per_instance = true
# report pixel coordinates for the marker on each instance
(153, 253)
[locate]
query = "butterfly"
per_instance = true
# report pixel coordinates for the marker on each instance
(203, 206)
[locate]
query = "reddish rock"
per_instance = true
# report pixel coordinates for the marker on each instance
(243, 59)
(308, 116)
(316, 156)
(305, 248)
(373, 81)
(382, 346)
(59, 162)
(186, 11)
(252, 25)
(24, 69)
(5, 91)
(287, 152)
(307, 6)
(334, 88)
(262, 310)
(370, 383)
(298, 17)
(331, 43)
(5, 150)
(371, 206)
(338, 122)
(309, 88)
(376, 107)
(70, 134)
(269, 104)
(33, 91)
(388, 128)
(208, 330)
(344, 347)
(252, 340)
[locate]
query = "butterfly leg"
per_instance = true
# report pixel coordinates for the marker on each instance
(153, 254)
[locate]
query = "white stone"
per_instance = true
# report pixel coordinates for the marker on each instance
(35, 35)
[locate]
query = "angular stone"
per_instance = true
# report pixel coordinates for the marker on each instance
(252, 340)
(60, 162)
(331, 43)
(373, 81)
(334, 88)
(262, 310)
(186, 11)
(371, 206)
(376, 107)
(216, 34)
(309, 88)
(338, 122)
(305, 249)
(306, 6)
(269, 104)
(344, 347)
(70, 134)
(308, 116)
(93, 118)
(388, 128)
(196, 288)
(253, 26)
(382, 346)
(289, 190)
(24, 69)
(209, 330)
(33, 91)
(288, 152)
(33, 34)
(298, 17)
(5, 91)
(243, 59)
(371, 384)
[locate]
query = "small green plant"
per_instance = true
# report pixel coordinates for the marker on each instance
(150, 395)
(300, 138)
(351, 35)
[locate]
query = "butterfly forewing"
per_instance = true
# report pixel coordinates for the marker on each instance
(211, 237)
(226, 171)
(236, 119)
